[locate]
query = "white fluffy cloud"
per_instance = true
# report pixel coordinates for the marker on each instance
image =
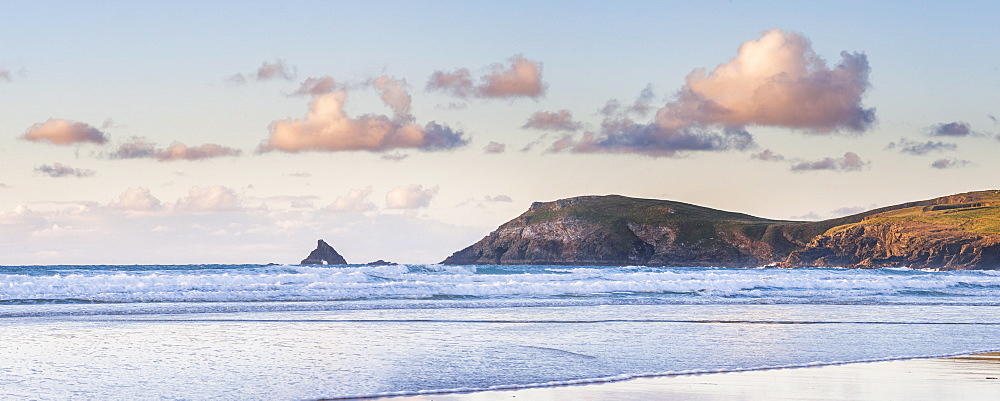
(777, 80)
(137, 199)
(356, 200)
(64, 132)
(410, 197)
(213, 198)
(519, 77)
(327, 128)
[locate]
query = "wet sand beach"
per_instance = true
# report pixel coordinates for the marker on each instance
(969, 377)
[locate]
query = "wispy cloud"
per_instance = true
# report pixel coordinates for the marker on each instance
(276, 70)
(767, 155)
(518, 77)
(498, 198)
(142, 148)
(328, 128)
(494, 148)
(653, 140)
(849, 162)
(266, 72)
(942, 164)
(5, 75)
(640, 107)
(561, 120)
(920, 148)
(410, 197)
(953, 129)
(58, 170)
(64, 132)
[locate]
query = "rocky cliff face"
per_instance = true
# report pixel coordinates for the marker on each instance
(915, 245)
(954, 232)
(616, 230)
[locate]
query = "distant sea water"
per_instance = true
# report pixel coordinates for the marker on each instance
(311, 332)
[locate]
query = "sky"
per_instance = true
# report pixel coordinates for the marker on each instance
(242, 132)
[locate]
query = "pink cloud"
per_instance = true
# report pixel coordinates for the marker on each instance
(277, 69)
(327, 128)
(316, 86)
(4, 75)
(64, 132)
(409, 197)
(458, 83)
(180, 151)
(393, 93)
(519, 77)
(777, 80)
(561, 120)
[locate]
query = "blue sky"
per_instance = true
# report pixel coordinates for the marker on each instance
(196, 88)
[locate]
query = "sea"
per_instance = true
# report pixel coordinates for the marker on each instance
(289, 332)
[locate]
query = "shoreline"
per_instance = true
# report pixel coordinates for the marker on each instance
(967, 377)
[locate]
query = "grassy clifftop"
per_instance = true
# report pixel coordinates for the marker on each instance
(973, 212)
(620, 230)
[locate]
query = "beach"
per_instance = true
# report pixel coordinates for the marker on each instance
(967, 377)
(282, 332)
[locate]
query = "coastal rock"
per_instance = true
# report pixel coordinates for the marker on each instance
(324, 254)
(381, 262)
(914, 245)
(616, 230)
(953, 232)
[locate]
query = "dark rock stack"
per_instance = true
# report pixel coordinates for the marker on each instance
(324, 254)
